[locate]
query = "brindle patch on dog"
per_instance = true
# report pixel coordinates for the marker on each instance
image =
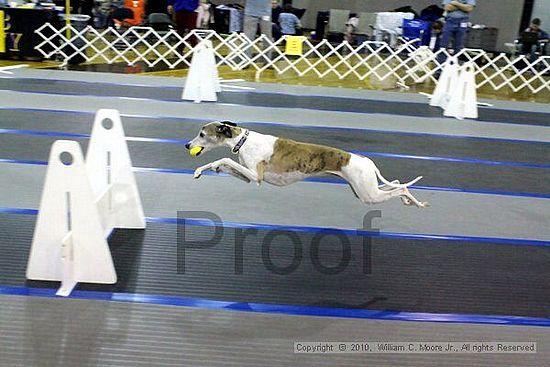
(292, 156)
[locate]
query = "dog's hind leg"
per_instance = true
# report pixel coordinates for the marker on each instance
(373, 195)
(364, 183)
(407, 197)
(412, 200)
(386, 187)
(404, 199)
(362, 174)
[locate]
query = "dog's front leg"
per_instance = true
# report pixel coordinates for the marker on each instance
(228, 166)
(201, 169)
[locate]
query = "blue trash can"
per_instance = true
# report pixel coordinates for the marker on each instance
(413, 28)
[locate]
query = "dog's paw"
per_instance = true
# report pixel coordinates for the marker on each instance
(406, 201)
(197, 174)
(424, 204)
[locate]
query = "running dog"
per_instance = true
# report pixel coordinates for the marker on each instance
(282, 162)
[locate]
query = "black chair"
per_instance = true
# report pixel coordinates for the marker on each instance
(160, 22)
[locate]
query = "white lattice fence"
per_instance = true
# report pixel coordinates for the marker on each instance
(406, 64)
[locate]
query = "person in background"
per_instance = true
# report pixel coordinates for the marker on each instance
(257, 12)
(289, 22)
(185, 16)
(351, 26)
(203, 15)
(539, 46)
(435, 35)
(131, 14)
(86, 8)
(276, 10)
(456, 22)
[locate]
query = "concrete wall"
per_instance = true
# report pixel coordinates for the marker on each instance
(541, 10)
(355, 6)
(504, 14)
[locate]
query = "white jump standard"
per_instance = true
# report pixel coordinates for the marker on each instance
(282, 162)
(82, 202)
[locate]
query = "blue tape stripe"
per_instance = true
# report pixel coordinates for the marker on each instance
(364, 153)
(328, 230)
(452, 159)
(62, 134)
(152, 87)
(482, 192)
(19, 211)
(267, 123)
(281, 309)
(254, 91)
(56, 134)
(333, 181)
(23, 161)
(351, 232)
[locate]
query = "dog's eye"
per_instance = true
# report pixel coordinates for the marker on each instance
(201, 135)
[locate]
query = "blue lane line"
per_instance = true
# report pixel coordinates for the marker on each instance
(328, 230)
(55, 134)
(62, 134)
(280, 309)
(276, 93)
(19, 211)
(254, 91)
(267, 123)
(241, 105)
(24, 161)
(452, 159)
(350, 232)
(333, 181)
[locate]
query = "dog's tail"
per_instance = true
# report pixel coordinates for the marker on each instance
(397, 186)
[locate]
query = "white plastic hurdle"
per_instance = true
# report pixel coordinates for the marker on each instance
(203, 81)
(455, 91)
(445, 84)
(463, 99)
(82, 202)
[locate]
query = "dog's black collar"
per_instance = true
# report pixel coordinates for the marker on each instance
(239, 145)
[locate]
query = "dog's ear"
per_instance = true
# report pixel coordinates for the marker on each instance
(225, 130)
(230, 123)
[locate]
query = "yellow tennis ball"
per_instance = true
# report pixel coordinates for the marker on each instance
(195, 151)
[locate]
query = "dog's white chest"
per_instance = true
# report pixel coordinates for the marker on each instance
(258, 148)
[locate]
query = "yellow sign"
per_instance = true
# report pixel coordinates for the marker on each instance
(2, 33)
(294, 45)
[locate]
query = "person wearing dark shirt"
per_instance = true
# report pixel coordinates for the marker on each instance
(531, 48)
(184, 15)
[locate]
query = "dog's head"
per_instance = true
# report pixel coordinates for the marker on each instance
(212, 135)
